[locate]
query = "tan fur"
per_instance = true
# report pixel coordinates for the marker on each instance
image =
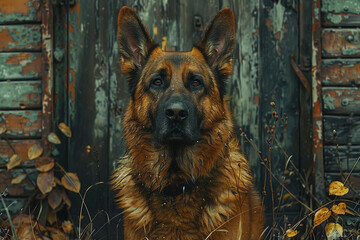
(223, 203)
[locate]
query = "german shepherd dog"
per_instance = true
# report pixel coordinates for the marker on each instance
(184, 176)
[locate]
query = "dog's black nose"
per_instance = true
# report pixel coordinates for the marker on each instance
(176, 111)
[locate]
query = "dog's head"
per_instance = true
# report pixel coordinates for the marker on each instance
(177, 97)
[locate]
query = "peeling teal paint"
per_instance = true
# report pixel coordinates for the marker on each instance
(24, 36)
(12, 65)
(328, 102)
(336, 6)
(334, 18)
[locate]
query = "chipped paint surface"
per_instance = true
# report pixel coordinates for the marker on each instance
(21, 123)
(20, 65)
(20, 94)
(340, 6)
(340, 42)
(342, 72)
(328, 102)
(20, 37)
(20, 10)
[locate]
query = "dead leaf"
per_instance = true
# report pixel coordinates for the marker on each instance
(18, 179)
(321, 215)
(44, 164)
(333, 231)
(286, 196)
(291, 233)
(54, 198)
(65, 129)
(57, 181)
(35, 151)
(337, 188)
(51, 217)
(65, 198)
(44, 181)
(56, 234)
(67, 227)
(53, 138)
(71, 182)
(339, 209)
(14, 161)
(2, 130)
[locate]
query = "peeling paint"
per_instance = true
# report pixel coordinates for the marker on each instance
(20, 10)
(334, 18)
(328, 102)
(20, 65)
(340, 6)
(20, 37)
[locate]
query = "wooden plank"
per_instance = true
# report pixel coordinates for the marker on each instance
(347, 156)
(20, 11)
(21, 123)
(243, 91)
(353, 181)
(20, 147)
(340, 72)
(20, 94)
(25, 188)
(317, 111)
(20, 37)
(347, 130)
(340, 42)
(340, 13)
(20, 65)
(338, 100)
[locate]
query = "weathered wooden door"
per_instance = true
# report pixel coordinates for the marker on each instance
(269, 92)
(92, 93)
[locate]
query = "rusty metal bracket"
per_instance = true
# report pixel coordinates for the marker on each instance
(304, 81)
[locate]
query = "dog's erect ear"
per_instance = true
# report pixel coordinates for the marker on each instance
(218, 42)
(134, 42)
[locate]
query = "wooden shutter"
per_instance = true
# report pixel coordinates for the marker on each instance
(336, 93)
(25, 90)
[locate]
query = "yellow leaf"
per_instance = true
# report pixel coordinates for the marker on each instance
(53, 138)
(337, 188)
(333, 231)
(14, 161)
(321, 215)
(18, 179)
(2, 130)
(65, 129)
(339, 209)
(71, 182)
(45, 181)
(44, 164)
(35, 151)
(67, 227)
(286, 196)
(291, 233)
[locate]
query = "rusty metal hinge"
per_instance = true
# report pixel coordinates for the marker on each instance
(303, 79)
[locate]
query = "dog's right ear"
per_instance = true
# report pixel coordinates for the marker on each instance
(134, 43)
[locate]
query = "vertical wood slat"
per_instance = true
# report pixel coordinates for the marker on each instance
(317, 124)
(47, 71)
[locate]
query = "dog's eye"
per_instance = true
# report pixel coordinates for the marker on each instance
(157, 82)
(196, 82)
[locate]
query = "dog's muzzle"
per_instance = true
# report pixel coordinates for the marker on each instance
(176, 122)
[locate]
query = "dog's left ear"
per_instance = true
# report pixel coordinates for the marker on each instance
(218, 42)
